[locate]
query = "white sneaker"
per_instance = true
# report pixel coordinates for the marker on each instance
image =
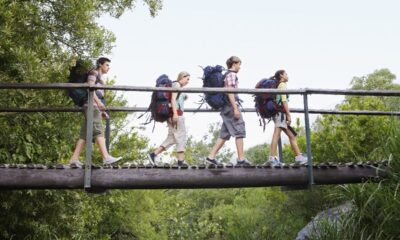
(76, 162)
(111, 159)
(301, 159)
(274, 161)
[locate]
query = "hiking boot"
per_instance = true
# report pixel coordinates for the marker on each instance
(301, 159)
(244, 162)
(152, 158)
(182, 163)
(273, 161)
(76, 163)
(212, 161)
(111, 160)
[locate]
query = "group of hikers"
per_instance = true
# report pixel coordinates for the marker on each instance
(233, 124)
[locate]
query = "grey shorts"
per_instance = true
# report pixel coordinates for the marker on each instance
(231, 127)
(280, 120)
(176, 135)
(97, 124)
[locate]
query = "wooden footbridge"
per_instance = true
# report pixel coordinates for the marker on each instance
(133, 176)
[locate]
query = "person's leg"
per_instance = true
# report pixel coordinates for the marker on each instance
(107, 158)
(180, 139)
(280, 125)
(167, 143)
(274, 141)
(80, 144)
(159, 150)
(101, 143)
(293, 142)
(236, 128)
(223, 137)
(180, 156)
(217, 146)
(239, 148)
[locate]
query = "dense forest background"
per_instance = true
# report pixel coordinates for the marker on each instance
(39, 41)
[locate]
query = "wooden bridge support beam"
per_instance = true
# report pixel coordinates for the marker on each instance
(141, 177)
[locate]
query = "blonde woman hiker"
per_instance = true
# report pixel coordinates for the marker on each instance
(176, 124)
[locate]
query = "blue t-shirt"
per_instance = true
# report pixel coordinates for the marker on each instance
(181, 99)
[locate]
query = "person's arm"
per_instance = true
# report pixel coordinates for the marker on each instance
(92, 81)
(230, 79)
(287, 112)
(174, 106)
(285, 104)
(231, 98)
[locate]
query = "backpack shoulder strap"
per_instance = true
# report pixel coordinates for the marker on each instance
(280, 99)
(179, 93)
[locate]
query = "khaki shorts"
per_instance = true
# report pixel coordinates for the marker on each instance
(97, 124)
(176, 135)
(280, 120)
(231, 127)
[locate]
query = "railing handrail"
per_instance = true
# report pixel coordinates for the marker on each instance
(201, 110)
(200, 90)
(304, 92)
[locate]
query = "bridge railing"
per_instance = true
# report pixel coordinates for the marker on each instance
(91, 88)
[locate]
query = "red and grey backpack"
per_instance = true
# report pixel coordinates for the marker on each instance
(160, 105)
(266, 105)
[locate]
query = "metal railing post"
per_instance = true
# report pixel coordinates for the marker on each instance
(308, 141)
(89, 139)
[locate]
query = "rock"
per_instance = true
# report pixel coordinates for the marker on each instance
(331, 215)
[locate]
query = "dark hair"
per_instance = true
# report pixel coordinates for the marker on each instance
(278, 74)
(101, 61)
(232, 60)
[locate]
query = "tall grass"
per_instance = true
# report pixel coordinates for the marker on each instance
(376, 206)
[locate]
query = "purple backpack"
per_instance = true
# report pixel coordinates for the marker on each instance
(266, 105)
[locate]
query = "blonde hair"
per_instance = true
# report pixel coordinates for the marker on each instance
(232, 60)
(181, 75)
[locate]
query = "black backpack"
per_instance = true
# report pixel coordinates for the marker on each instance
(79, 74)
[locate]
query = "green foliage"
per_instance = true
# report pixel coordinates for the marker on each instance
(340, 138)
(375, 205)
(375, 208)
(227, 214)
(258, 154)
(39, 41)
